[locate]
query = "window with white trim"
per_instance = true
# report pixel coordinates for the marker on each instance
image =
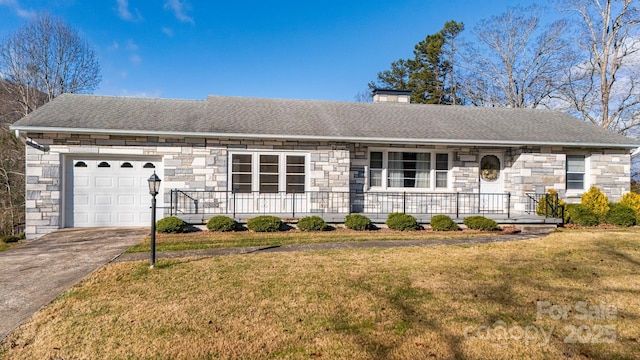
(268, 172)
(391, 169)
(576, 170)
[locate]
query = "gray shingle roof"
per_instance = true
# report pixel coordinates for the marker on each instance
(306, 119)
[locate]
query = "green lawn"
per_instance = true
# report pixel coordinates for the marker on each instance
(473, 301)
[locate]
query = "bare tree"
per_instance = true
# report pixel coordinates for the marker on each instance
(44, 59)
(604, 86)
(11, 182)
(517, 61)
(363, 96)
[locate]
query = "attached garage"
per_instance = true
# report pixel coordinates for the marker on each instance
(108, 191)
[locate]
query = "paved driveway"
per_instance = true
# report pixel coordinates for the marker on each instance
(34, 274)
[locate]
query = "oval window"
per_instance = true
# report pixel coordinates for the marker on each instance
(104, 164)
(490, 168)
(80, 164)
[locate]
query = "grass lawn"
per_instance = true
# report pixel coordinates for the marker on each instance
(4, 246)
(475, 302)
(213, 240)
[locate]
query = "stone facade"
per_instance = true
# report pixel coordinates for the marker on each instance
(202, 164)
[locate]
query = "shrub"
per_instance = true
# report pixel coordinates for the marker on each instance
(312, 223)
(632, 200)
(171, 225)
(265, 223)
(443, 223)
(357, 222)
(481, 223)
(10, 239)
(401, 221)
(597, 202)
(621, 215)
(581, 215)
(221, 223)
(543, 209)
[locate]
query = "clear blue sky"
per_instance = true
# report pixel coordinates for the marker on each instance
(305, 49)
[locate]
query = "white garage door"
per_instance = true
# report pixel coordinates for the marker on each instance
(109, 192)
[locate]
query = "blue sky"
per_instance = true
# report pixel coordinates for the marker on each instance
(323, 50)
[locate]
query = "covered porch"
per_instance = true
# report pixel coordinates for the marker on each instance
(197, 206)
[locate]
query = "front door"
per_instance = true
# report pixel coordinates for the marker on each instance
(492, 197)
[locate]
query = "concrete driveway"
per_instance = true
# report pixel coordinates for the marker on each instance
(34, 274)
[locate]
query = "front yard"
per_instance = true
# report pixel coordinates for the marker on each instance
(573, 294)
(214, 240)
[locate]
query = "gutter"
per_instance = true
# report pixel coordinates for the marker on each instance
(406, 141)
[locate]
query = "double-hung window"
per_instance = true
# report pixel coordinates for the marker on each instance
(268, 172)
(391, 169)
(576, 170)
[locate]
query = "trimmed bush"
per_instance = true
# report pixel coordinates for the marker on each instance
(265, 223)
(171, 225)
(312, 223)
(632, 200)
(597, 202)
(10, 239)
(621, 215)
(543, 209)
(357, 222)
(581, 215)
(401, 221)
(443, 223)
(221, 223)
(481, 223)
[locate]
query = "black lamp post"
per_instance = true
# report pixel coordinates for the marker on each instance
(154, 187)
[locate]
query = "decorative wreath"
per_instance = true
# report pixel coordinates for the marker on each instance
(490, 174)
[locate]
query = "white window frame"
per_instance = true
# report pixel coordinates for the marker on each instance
(587, 167)
(432, 171)
(255, 168)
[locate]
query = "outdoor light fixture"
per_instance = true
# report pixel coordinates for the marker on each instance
(154, 187)
(154, 184)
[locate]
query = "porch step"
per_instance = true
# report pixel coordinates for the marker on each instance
(537, 228)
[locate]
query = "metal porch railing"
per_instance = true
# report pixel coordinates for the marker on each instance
(550, 209)
(190, 202)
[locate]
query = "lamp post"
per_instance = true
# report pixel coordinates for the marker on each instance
(154, 187)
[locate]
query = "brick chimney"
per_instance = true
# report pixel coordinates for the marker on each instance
(391, 95)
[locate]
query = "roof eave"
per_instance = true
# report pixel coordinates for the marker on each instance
(407, 141)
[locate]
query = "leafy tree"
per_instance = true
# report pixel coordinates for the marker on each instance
(395, 78)
(429, 75)
(516, 60)
(603, 86)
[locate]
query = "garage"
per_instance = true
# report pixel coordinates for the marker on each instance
(109, 191)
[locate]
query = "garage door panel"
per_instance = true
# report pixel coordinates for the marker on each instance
(103, 218)
(126, 182)
(81, 218)
(81, 200)
(103, 181)
(127, 218)
(103, 199)
(81, 181)
(126, 200)
(110, 196)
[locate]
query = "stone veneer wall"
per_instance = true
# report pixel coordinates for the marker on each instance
(526, 170)
(538, 169)
(188, 163)
(199, 163)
